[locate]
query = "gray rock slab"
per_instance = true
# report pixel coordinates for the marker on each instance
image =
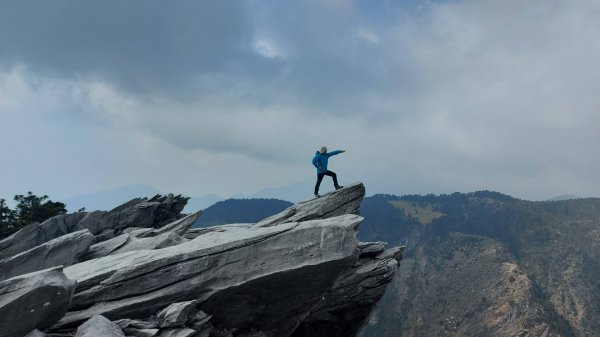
(33, 301)
(65, 250)
(137, 231)
(134, 332)
(153, 213)
(180, 226)
(139, 283)
(138, 324)
(105, 235)
(196, 232)
(105, 248)
(129, 242)
(395, 253)
(344, 201)
(177, 332)
(176, 314)
(36, 234)
(199, 320)
(371, 248)
(347, 306)
(99, 326)
(36, 333)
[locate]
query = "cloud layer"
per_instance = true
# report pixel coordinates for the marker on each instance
(232, 97)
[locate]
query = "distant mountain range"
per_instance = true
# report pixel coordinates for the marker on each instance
(564, 197)
(486, 264)
(106, 199)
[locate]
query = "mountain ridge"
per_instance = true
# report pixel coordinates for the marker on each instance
(552, 246)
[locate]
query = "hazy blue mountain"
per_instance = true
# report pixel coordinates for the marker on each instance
(199, 203)
(294, 192)
(564, 197)
(107, 199)
(240, 211)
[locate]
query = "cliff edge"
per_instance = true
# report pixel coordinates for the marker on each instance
(139, 270)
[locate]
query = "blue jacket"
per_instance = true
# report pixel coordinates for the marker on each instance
(320, 160)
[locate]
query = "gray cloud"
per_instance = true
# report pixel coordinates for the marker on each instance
(141, 46)
(428, 96)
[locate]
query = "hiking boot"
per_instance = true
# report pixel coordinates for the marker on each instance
(317, 195)
(339, 187)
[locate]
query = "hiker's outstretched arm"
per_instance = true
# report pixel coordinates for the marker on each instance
(333, 153)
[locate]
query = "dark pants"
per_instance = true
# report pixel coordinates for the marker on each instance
(320, 178)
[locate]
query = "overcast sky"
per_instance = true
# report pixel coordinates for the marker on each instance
(231, 97)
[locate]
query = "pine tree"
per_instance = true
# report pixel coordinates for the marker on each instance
(30, 208)
(6, 219)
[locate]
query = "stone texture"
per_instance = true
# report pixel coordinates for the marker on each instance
(35, 300)
(134, 323)
(129, 242)
(179, 227)
(298, 260)
(36, 333)
(65, 250)
(199, 320)
(347, 306)
(177, 332)
(297, 272)
(136, 238)
(344, 201)
(176, 314)
(107, 247)
(196, 232)
(155, 213)
(134, 332)
(371, 248)
(36, 234)
(99, 326)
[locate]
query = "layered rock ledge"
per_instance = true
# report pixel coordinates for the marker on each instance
(301, 272)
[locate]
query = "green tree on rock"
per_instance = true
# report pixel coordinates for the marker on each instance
(30, 208)
(6, 219)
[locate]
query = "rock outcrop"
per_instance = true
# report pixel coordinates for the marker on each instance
(352, 298)
(216, 267)
(298, 273)
(62, 251)
(33, 301)
(144, 238)
(99, 326)
(344, 201)
(155, 213)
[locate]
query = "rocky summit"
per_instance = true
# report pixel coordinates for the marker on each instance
(140, 270)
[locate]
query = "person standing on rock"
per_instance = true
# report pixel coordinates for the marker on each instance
(320, 162)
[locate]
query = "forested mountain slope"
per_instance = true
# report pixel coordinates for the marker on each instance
(486, 264)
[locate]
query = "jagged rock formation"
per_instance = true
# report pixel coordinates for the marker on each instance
(299, 273)
(144, 238)
(354, 294)
(62, 251)
(344, 201)
(155, 212)
(99, 326)
(35, 300)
